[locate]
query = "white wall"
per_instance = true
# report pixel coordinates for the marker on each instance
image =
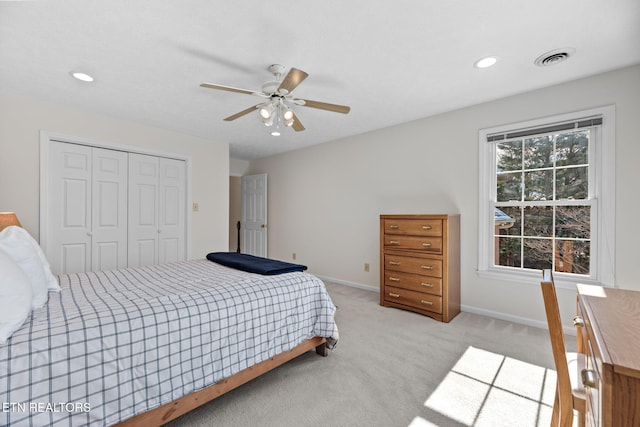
(22, 119)
(324, 201)
(238, 167)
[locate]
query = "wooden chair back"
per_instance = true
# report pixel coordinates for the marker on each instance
(564, 396)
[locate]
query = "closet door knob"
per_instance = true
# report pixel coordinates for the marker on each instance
(89, 233)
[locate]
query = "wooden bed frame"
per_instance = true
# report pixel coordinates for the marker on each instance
(172, 410)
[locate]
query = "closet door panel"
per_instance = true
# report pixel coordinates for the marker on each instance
(172, 200)
(70, 189)
(143, 210)
(109, 210)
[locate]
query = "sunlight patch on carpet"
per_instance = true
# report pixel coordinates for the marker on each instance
(490, 389)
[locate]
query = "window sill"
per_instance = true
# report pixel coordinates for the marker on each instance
(532, 277)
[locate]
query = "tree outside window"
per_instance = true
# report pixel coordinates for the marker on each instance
(542, 184)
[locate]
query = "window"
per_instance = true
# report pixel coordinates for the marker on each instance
(547, 198)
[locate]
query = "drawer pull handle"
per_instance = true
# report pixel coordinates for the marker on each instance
(427, 285)
(426, 227)
(588, 378)
(578, 322)
(394, 263)
(426, 245)
(394, 226)
(394, 279)
(426, 302)
(391, 294)
(393, 242)
(426, 267)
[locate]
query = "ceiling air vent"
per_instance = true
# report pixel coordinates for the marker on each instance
(554, 57)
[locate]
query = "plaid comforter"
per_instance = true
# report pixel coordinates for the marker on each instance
(117, 343)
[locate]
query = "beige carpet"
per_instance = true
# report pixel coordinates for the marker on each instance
(396, 368)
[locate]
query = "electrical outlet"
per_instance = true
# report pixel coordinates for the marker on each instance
(293, 255)
(366, 267)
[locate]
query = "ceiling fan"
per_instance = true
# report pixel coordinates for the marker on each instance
(276, 109)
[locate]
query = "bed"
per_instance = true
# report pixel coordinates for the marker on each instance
(145, 345)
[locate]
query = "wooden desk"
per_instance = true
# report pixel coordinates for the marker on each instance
(611, 340)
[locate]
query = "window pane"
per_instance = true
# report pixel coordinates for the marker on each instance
(509, 187)
(573, 222)
(510, 221)
(509, 156)
(538, 153)
(538, 185)
(573, 256)
(538, 221)
(537, 253)
(508, 252)
(572, 183)
(572, 148)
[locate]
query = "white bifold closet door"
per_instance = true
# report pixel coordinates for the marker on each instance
(156, 210)
(88, 196)
(113, 209)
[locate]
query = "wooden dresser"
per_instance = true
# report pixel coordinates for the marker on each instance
(610, 337)
(420, 264)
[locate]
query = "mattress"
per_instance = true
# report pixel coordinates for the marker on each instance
(117, 343)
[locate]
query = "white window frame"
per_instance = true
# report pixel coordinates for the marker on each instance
(601, 164)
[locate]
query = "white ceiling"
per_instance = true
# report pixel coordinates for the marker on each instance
(392, 62)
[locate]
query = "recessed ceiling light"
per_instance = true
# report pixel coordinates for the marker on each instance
(485, 62)
(82, 76)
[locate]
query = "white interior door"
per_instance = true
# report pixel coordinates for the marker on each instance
(109, 210)
(171, 215)
(88, 189)
(253, 230)
(70, 195)
(143, 210)
(103, 207)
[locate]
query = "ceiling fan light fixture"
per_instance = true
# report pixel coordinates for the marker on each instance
(268, 121)
(266, 111)
(275, 109)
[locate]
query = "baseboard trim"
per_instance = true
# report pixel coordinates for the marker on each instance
(515, 319)
(348, 283)
(469, 309)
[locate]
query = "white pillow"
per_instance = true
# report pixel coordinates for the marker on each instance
(15, 297)
(52, 281)
(17, 243)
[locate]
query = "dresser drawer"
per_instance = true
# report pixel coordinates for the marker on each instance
(423, 244)
(423, 266)
(414, 282)
(413, 299)
(413, 227)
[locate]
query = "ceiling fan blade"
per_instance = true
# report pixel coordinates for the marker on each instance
(326, 106)
(242, 113)
(232, 89)
(297, 124)
(292, 80)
